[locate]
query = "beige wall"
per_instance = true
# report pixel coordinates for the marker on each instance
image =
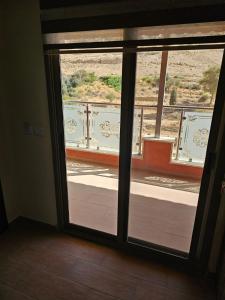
(7, 158)
(27, 172)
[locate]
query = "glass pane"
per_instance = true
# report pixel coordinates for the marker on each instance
(192, 77)
(91, 91)
(139, 33)
(75, 125)
(147, 80)
(166, 176)
(194, 136)
(149, 120)
(105, 127)
(180, 31)
(170, 126)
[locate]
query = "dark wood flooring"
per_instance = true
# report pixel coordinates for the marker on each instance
(38, 263)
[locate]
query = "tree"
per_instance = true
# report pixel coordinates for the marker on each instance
(172, 82)
(113, 81)
(173, 96)
(209, 81)
(81, 77)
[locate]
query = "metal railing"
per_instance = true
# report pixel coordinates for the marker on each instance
(158, 120)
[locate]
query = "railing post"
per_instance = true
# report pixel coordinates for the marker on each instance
(141, 126)
(179, 132)
(88, 127)
(162, 83)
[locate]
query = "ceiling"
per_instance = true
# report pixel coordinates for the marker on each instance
(49, 4)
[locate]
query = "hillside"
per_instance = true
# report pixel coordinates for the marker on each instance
(188, 63)
(185, 69)
(184, 73)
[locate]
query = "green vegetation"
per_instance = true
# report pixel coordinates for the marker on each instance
(195, 86)
(172, 82)
(110, 96)
(82, 77)
(153, 81)
(70, 83)
(88, 84)
(209, 81)
(204, 97)
(202, 91)
(113, 81)
(83, 84)
(173, 96)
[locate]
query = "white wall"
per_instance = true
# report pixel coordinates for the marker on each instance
(27, 173)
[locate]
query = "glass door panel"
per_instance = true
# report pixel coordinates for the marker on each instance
(176, 94)
(91, 92)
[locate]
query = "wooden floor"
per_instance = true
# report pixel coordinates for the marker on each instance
(38, 263)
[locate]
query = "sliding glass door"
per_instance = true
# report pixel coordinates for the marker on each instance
(91, 93)
(136, 123)
(175, 95)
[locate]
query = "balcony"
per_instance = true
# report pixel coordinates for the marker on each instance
(174, 100)
(165, 175)
(92, 135)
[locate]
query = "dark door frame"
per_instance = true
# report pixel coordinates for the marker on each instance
(214, 175)
(3, 218)
(56, 118)
(160, 17)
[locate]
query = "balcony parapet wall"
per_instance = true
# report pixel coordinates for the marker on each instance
(156, 157)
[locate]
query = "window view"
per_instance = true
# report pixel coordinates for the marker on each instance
(147, 89)
(166, 174)
(174, 102)
(91, 91)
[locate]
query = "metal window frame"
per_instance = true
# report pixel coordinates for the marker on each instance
(213, 174)
(161, 93)
(126, 134)
(159, 17)
(134, 246)
(3, 217)
(169, 43)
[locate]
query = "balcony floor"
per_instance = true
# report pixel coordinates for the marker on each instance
(162, 208)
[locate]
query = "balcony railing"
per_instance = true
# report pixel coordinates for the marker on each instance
(96, 126)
